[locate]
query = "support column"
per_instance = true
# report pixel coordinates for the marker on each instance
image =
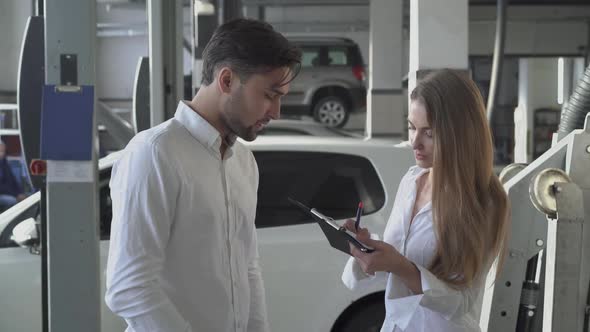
(537, 89)
(438, 37)
(204, 24)
(385, 99)
(165, 54)
(522, 121)
(228, 10)
(72, 244)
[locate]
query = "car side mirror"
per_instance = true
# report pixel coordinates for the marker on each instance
(25, 235)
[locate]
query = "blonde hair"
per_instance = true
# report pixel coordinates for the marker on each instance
(470, 207)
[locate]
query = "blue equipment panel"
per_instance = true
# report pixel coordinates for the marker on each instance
(66, 123)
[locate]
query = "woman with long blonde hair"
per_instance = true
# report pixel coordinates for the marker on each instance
(450, 217)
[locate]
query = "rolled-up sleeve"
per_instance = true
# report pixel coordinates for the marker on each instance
(353, 276)
(144, 191)
(437, 296)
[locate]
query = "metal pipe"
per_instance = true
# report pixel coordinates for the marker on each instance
(498, 57)
(578, 105)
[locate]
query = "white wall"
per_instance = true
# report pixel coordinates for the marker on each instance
(537, 89)
(540, 30)
(117, 57)
(543, 83)
(116, 62)
(527, 38)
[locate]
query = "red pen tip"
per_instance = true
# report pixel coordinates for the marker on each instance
(360, 205)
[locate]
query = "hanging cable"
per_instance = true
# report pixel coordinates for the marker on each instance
(498, 57)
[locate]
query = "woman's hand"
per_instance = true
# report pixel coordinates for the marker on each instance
(360, 233)
(349, 225)
(385, 257)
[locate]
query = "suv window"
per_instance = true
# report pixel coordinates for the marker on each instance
(310, 56)
(330, 55)
(330, 182)
(338, 56)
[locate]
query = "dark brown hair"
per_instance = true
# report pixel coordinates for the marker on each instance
(248, 47)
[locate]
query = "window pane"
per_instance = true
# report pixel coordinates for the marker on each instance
(310, 57)
(330, 182)
(338, 56)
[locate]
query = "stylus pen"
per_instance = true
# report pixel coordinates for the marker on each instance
(359, 211)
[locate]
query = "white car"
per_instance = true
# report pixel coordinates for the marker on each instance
(300, 270)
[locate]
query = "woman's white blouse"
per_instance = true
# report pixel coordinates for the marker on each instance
(440, 307)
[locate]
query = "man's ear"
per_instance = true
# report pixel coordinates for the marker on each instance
(225, 78)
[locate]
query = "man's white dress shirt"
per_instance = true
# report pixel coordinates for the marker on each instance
(440, 308)
(183, 253)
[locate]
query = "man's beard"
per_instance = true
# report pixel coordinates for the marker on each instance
(231, 118)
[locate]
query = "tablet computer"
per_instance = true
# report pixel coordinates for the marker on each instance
(338, 236)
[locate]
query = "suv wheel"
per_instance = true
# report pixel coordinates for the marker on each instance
(331, 111)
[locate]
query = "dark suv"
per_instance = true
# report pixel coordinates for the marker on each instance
(331, 84)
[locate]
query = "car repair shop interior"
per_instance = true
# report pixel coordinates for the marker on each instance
(80, 79)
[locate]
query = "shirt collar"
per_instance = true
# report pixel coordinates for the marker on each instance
(202, 130)
(415, 172)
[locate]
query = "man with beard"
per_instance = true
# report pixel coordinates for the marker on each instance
(183, 253)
